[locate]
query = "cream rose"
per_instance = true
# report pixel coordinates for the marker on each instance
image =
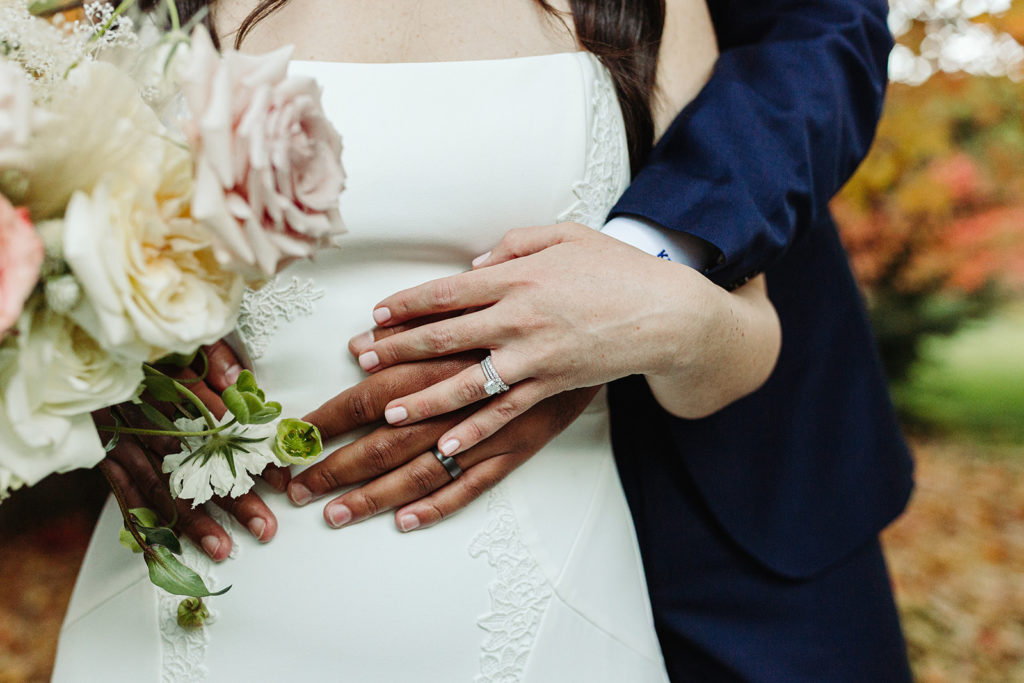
(16, 116)
(21, 255)
(267, 160)
(52, 379)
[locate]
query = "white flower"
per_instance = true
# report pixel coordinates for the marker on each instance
(16, 116)
(204, 466)
(52, 377)
(8, 482)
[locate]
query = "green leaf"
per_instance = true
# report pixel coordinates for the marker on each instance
(163, 536)
(161, 387)
(267, 413)
(145, 516)
(178, 360)
(157, 418)
(168, 573)
(43, 7)
(246, 382)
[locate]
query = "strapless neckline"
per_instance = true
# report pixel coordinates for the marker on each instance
(453, 62)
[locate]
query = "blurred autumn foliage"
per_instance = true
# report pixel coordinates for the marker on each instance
(934, 218)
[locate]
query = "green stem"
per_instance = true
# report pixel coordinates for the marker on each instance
(172, 9)
(211, 421)
(152, 458)
(164, 432)
(129, 524)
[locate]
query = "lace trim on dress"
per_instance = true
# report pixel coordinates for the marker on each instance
(263, 309)
(184, 652)
(601, 185)
(519, 596)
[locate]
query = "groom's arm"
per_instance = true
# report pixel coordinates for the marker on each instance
(789, 112)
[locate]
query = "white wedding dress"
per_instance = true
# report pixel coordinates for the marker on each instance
(539, 581)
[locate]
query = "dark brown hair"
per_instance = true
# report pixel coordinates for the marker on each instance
(624, 34)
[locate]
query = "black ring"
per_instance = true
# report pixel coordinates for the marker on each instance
(449, 463)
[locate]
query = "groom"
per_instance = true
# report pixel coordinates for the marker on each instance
(758, 525)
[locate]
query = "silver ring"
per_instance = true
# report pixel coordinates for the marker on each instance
(493, 384)
(449, 463)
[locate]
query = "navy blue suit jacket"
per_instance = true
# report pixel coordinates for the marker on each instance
(812, 465)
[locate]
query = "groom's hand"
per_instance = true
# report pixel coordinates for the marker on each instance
(144, 486)
(396, 464)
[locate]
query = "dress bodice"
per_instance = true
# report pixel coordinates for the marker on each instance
(541, 579)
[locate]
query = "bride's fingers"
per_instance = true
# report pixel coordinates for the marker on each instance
(363, 342)
(441, 338)
(494, 415)
(465, 388)
(452, 293)
(380, 451)
(223, 365)
(364, 403)
(418, 478)
(521, 242)
(447, 500)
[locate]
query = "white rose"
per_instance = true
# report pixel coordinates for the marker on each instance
(52, 378)
(16, 116)
(8, 482)
(151, 281)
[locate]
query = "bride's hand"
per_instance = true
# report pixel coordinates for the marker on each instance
(559, 307)
(396, 463)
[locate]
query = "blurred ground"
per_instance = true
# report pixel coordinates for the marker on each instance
(957, 559)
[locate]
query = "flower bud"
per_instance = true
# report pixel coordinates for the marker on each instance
(297, 442)
(192, 613)
(62, 293)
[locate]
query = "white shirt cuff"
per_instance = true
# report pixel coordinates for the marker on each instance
(671, 245)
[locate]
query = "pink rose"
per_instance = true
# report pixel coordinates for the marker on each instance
(21, 255)
(268, 162)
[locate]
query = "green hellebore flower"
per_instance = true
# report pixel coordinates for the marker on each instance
(192, 613)
(247, 402)
(297, 442)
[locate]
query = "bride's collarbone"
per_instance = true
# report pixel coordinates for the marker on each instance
(400, 31)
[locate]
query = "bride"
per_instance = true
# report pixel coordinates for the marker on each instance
(461, 119)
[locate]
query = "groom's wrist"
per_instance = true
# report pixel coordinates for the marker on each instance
(665, 243)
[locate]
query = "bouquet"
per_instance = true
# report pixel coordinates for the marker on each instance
(145, 181)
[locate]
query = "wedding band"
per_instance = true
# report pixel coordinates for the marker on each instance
(449, 463)
(493, 384)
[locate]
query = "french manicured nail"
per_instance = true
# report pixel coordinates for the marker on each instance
(299, 494)
(481, 259)
(338, 515)
(396, 414)
(256, 527)
(381, 315)
(368, 360)
(408, 522)
(211, 544)
(361, 341)
(450, 446)
(232, 373)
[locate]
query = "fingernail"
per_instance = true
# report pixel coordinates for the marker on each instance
(361, 341)
(232, 373)
(368, 360)
(338, 515)
(479, 260)
(274, 477)
(408, 522)
(257, 526)
(381, 315)
(396, 414)
(211, 544)
(299, 494)
(450, 446)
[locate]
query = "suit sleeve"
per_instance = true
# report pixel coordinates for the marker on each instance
(788, 113)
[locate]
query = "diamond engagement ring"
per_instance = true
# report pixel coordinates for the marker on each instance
(493, 383)
(449, 463)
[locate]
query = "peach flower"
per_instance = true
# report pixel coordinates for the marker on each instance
(21, 255)
(268, 162)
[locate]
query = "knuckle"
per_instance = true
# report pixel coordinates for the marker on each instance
(380, 454)
(443, 293)
(507, 409)
(474, 431)
(477, 486)
(468, 390)
(366, 502)
(323, 479)
(359, 407)
(438, 339)
(421, 479)
(434, 513)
